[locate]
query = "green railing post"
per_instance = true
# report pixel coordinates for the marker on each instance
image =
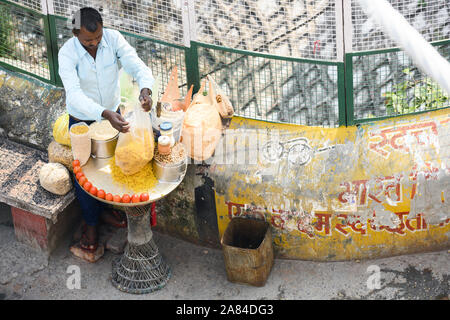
(192, 71)
(350, 118)
(50, 58)
(342, 95)
(52, 49)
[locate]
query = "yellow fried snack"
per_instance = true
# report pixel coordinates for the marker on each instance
(79, 129)
(134, 151)
(102, 130)
(141, 181)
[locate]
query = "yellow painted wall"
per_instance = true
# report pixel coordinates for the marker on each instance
(382, 189)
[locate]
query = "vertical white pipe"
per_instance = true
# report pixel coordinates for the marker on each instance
(339, 30)
(348, 26)
(44, 6)
(186, 23)
(192, 20)
(50, 8)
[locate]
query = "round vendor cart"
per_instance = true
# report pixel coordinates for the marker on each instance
(141, 269)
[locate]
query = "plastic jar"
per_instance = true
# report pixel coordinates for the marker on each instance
(166, 129)
(80, 140)
(164, 147)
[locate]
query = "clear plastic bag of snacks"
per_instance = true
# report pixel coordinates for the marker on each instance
(135, 148)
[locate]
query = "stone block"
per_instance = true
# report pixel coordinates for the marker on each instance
(42, 233)
(86, 255)
(30, 228)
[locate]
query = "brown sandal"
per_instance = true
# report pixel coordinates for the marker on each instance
(84, 241)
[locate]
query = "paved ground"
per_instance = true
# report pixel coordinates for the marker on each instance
(199, 273)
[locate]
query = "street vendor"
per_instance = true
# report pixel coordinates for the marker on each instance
(89, 70)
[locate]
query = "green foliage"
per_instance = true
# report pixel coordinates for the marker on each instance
(415, 95)
(6, 28)
(421, 3)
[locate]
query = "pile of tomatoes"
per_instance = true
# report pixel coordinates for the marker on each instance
(100, 193)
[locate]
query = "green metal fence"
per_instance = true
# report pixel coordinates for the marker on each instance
(23, 41)
(385, 83)
(365, 86)
(275, 88)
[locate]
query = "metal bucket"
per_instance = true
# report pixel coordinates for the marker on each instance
(248, 252)
(102, 149)
(166, 172)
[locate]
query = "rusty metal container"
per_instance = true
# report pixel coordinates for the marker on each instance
(247, 250)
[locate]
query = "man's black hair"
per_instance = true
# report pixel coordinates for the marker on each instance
(88, 18)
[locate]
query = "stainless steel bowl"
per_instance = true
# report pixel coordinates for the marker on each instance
(166, 172)
(102, 149)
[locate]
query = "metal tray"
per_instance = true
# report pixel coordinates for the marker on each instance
(98, 172)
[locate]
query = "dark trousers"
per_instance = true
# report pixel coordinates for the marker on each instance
(90, 207)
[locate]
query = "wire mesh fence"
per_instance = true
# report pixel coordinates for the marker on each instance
(161, 58)
(23, 40)
(293, 28)
(429, 17)
(32, 4)
(387, 84)
(272, 89)
(158, 19)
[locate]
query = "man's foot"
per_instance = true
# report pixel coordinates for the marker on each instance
(89, 241)
(115, 218)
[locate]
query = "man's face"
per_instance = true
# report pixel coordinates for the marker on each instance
(90, 40)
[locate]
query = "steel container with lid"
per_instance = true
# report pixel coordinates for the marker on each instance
(169, 172)
(103, 139)
(103, 148)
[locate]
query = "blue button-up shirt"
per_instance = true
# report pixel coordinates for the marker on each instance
(93, 85)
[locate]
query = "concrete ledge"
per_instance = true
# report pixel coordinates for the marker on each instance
(19, 181)
(40, 218)
(41, 233)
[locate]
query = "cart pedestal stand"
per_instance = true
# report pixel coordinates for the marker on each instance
(141, 269)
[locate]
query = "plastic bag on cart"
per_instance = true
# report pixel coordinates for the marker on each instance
(172, 93)
(135, 148)
(202, 126)
(61, 130)
(173, 107)
(222, 102)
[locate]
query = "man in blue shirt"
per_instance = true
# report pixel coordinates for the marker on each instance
(89, 70)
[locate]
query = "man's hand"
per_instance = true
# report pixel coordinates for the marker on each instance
(116, 120)
(146, 99)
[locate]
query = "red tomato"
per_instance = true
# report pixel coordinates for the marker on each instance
(109, 197)
(117, 198)
(101, 194)
(93, 190)
(75, 163)
(79, 175)
(82, 180)
(135, 198)
(76, 169)
(144, 197)
(126, 198)
(87, 185)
